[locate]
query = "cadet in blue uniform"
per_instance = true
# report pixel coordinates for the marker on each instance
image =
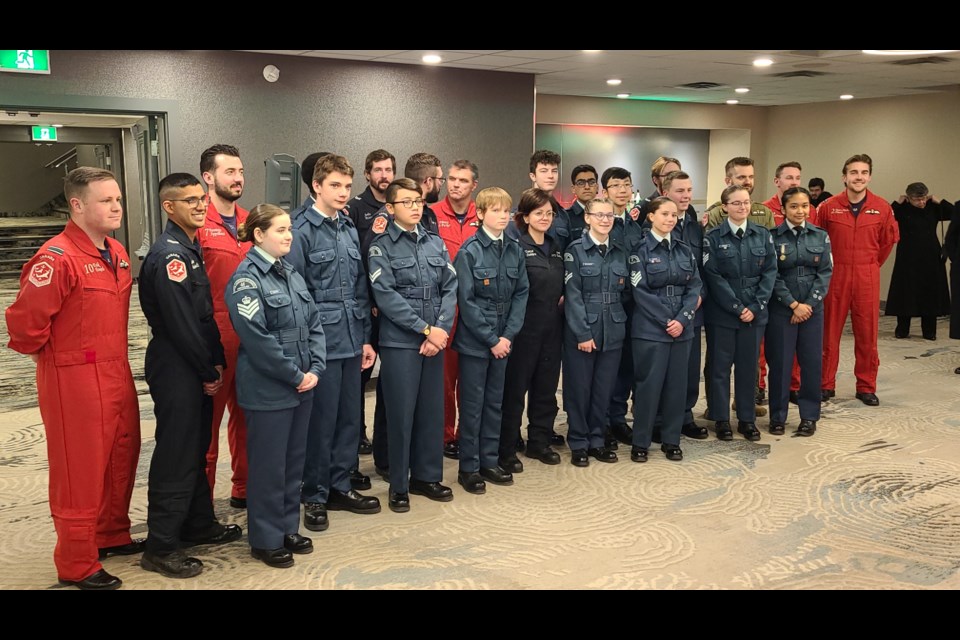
(306, 174)
(533, 369)
(281, 358)
(492, 293)
(740, 268)
(595, 281)
(326, 252)
(584, 184)
(666, 292)
(184, 365)
(805, 265)
(415, 289)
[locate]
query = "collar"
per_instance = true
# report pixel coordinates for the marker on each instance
(368, 197)
(733, 227)
(263, 254)
(792, 226)
(180, 236)
(395, 231)
(264, 260)
(658, 237)
(490, 235)
(214, 216)
(594, 241)
(445, 207)
(80, 238)
(317, 217)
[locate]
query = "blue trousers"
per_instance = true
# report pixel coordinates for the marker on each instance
(783, 341)
(588, 380)
(661, 381)
(481, 398)
(729, 348)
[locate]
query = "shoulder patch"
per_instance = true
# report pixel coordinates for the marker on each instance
(568, 257)
(244, 283)
(41, 275)
(375, 252)
(248, 306)
(634, 259)
(177, 270)
(379, 225)
(56, 250)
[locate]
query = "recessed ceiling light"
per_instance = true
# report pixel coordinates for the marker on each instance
(742, 90)
(432, 58)
(591, 50)
(733, 102)
(56, 126)
(613, 82)
(762, 62)
(904, 52)
(623, 95)
(846, 96)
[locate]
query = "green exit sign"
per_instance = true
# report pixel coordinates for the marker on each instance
(43, 134)
(25, 60)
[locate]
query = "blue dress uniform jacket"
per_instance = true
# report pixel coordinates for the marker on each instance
(575, 219)
(739, 273)
(594, 289)
(281, 335)
(805, 265)
(326, 252)
(666, 286)
(492, 292)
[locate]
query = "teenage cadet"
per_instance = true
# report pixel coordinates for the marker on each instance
(584, 184)
(666, 291)
(661, 168)
(795, 330)
(534, 363)
(740, 269)
(71, 317)
(456, 222)
(415, 289)
(222, 170)
(281, 359)
(184, 368)
(544, 175)
(492, 290)
(306, 174)
(740, 172)
(326, 252)
(862, 231)
(595, 280)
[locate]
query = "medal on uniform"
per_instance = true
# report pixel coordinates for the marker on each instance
(783, 252)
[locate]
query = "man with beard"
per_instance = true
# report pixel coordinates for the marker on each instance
(457, 222)
(379, 169)
(306, 174)
(818, 193)
(222, 171)
(740, 172)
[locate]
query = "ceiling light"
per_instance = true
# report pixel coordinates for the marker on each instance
(742, 90)
(904, 52)
(733, 102)
(762, 62)
(432, 58)
(613, 82)
(591, 50)
(623, 95)
(847, 96)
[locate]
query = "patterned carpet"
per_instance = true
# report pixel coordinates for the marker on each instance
(871, 501)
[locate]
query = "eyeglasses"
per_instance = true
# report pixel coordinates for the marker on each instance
(603, 216)
(625, 185)
(192, 202)
(408, 203)
(440, 180)
(542, 214)
(739, 203)
(592, 182)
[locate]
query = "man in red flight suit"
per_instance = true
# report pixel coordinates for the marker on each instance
(456, 221)
(71, 317)
(862, 232)
(222, 170)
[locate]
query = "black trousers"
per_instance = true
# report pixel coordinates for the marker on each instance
(733, 348)
(481, 399)
(533, 371)
(380, 450)
(783, 341)
(588, 379)
(928, 326)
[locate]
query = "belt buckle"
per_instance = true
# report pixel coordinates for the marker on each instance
(670, 291)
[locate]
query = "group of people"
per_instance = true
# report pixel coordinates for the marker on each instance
(472, 304)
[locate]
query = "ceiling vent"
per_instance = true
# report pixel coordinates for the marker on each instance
(701, 86)
(802, 73)
(924, 60)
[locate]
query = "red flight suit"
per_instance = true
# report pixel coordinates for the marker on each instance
(861, 245)
(454, 235)
(222, 254)
(72, 311)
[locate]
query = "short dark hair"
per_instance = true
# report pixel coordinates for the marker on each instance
(739, 161)
(917, 190)
(260, 217)
(670, 177)
(860, 157)
(793, 165)
(614, 172)
(726, 193)
(792, 191)
(466, 164)
(176, 181)
(401, 183)
(816, 182)
(378, 155)
(543, 156)
(208, 159)
(530, 199)
(420, 167)
(655, 203)
(309, 164)
(583, 168)
(76, 182)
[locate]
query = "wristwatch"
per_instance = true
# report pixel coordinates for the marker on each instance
(426, 330)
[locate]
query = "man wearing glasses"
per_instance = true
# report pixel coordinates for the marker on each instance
(184, 368)
(222, 171)
(585, 188)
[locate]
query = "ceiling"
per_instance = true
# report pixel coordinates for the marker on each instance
(658, 75)
(20, 117)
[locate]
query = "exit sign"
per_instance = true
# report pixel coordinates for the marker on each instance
(43, 134)
(25, 60)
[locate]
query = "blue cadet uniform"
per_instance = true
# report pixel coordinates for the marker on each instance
(414, 287)
(492, 292)
(307, 203)
(182, 354)
(575, 219)
(666, 286)
(805, 265)
(595, 285)
(740, 272)
(281, 339)
(326, 252)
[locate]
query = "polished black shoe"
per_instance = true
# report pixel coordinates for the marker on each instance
(359, 481)
(724, 430)
(869, 399)
(511, 464)
(228, 533)
(472, 482)
(622, 432)
(957, 370)
(826, 394)
(610, 441)
(398, 502)
(496, 475)
(452, 450)
(545, 455)
(672, 451)
(777, 428)
(930, 336)
(315, 516)
(557, 440)
(99, 581)
(794, 397)
(693, 430)
(135, 546)
(365, 447)
(383, 473)
(578, 458)
(238, 503)
(807, 428)
(901, 334)
(279, 558)
(521, 445)
(748, 430)
(638, 454)
(760, 397)
(172, 565)
(352, 501)
(602, 454)
(296, 543)
(432, 490)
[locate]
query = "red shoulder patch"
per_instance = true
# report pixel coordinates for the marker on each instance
(177, 270)
(379, 225)
(41, 274)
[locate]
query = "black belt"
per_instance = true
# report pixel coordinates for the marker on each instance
(670, 291)
(799, 272)
(749, 282)
(501, 307)
(603, 298)
(292, 335)
(419, 293)
(328, 295)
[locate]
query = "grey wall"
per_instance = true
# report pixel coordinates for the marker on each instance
(332, 105)
(21, 163)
